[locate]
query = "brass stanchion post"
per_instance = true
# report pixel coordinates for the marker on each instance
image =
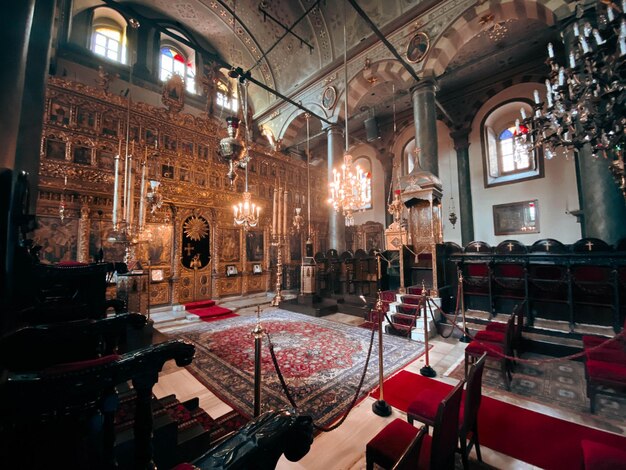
(426, 371)
(465, 338)
(402, 289)
(380, 406)
(258, 341)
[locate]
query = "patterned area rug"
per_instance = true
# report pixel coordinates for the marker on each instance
(552, 383)
(321, 361)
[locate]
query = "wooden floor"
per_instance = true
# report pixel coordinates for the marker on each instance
(344, 448)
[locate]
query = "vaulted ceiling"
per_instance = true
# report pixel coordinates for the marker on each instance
(289, 46)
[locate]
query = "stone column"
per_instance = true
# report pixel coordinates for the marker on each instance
(425, 119)
(336, 221)
(466, 212)
(82, 248)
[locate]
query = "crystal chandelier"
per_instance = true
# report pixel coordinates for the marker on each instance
(349, 188)
(246, 213)
(585, 100)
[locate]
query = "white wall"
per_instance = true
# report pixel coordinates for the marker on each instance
(556, 192)
(379, 201)
(450, 182)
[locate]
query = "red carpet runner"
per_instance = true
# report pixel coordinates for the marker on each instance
(532, 437)
(208, 311)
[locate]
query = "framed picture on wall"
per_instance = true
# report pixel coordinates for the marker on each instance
(231, 270)
(516, 218)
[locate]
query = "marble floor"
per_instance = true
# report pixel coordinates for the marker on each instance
(343, 448)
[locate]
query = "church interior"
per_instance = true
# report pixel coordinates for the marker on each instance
(313, 235)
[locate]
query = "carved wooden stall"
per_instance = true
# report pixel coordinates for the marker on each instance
(573, 284)
(189, 247)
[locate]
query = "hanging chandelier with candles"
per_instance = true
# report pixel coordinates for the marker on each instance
(585, 99)
(349, 188)
(246, 213)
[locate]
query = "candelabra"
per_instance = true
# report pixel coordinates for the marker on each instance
(279, 237)
(349, 189)
(246, 212)
(395, 209)
(585, 100)
(128, 229)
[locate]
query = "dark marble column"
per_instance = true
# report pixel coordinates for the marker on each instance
(466, 213)
(425, 118)
(336, 220)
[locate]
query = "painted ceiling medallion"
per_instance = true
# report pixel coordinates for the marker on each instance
(418, 47)
(329, 97)
(195, 228)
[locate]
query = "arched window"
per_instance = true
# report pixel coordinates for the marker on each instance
(506, 158)
(227, 95)
(108, 38)
(365, 176)
(175, 58)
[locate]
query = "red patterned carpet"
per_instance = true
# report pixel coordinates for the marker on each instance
(321, 361)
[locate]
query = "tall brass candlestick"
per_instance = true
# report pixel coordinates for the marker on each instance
(278, 298)
(274, 208)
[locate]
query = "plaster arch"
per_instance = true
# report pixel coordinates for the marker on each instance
(292, 125)
(468, 25)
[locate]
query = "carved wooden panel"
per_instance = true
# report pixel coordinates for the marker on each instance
(229, 286)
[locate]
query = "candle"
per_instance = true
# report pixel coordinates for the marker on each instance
(285, 214)
(561, 76)
(610, 15)
(597, 37)
(523, 113)
(124, 200)
(130, 200)
(536, 97)
(517, 128)
(142, 196)
(274, 210)
(550, 50)
(572, 60)
(622, 37)
(116, 189)
(279, 222)
(585, 45)
(576, 30)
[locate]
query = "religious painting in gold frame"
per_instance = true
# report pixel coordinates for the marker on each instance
(516, 218)
(229, 247)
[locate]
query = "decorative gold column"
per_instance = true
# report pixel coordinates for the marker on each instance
(82, 248)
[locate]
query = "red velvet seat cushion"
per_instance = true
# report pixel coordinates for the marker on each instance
(496, 326)
(79, 365)
(424, 407)
(510, 270)
(607, 355)
(476, 348)
(478, 270)
(590, 341)
(609, 372)
(599, 456)
(388, 445)
(490, 336)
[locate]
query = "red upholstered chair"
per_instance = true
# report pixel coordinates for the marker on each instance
(495, 351)
(424, 407)
(599, 456)
(604, 377)
(400, 445)
(494, 332)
